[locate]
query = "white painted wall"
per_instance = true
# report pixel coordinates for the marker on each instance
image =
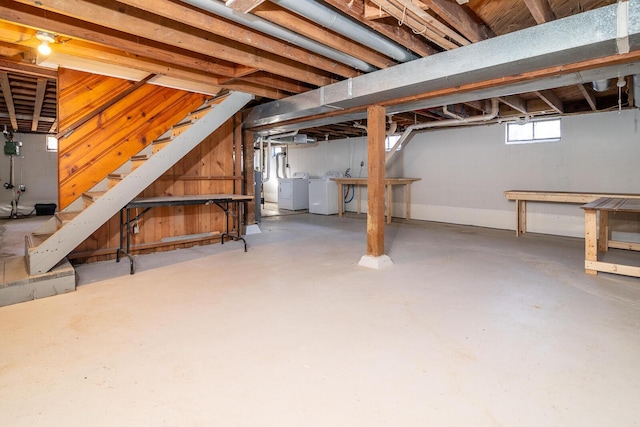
(464, 171)
(36, 168)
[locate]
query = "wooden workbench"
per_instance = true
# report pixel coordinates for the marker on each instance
(596, 240)
(521, 197)
(388, 182)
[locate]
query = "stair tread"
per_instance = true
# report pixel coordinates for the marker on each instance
(67, 216)
(163, 140)
(34, 240)
(93, 194)
(186, 123)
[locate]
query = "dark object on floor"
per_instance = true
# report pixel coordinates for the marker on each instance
(45, 208)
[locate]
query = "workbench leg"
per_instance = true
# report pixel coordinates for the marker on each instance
(359, 187)
(590, 238)
(408, 197)
(521, 217)
(604, 234)
(340, 200)
(388, 203)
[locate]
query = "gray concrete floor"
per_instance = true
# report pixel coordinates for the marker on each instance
(469, 327)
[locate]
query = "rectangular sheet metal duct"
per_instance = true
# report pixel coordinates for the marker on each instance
(586, 36)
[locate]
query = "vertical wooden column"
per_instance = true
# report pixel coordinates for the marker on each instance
(237, 164)
(249, 176)
(376, 121)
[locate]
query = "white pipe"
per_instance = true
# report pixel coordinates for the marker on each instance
(326, 17)
(264, 26)
(447, 112)
(495, 109)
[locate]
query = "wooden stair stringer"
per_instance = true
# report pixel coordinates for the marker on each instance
(45, 256)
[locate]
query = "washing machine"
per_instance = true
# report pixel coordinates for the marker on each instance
(293, 193)
(323, 194)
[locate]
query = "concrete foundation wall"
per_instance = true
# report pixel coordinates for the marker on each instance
(36, 168)
(465, 170)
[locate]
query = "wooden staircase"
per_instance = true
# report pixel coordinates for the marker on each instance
(57, 238)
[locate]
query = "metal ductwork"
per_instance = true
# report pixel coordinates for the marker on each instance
(264, 26)
(586, 36)
(601, 85)
(332, 20)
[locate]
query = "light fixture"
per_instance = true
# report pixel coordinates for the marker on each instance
(45, 38)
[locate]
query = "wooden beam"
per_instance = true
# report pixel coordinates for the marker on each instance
(212, 24)
(516, 103)
(249, 176)
(460, 19)
(129, 21)
(78, 30)
(280, 16)
(541, 10)
(551, 99)
(376, 128)
(244, 6)
(589, 97)
(8, 98)
(269, 80)
(22, 68)
(373, 11)
(432, 22)
(416, 23)
(41, 89)
(400, 35)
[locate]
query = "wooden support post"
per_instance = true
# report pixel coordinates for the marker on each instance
(376, 120)
(249, 176)
(590, 239)
(237, 163)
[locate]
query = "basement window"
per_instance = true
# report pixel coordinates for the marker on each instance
(52, 143)
(390, 141)
(528, 131)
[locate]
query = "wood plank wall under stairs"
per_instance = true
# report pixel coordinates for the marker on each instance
(108, 140)
(209, 168)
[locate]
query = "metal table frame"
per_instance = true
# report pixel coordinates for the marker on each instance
(223, 201)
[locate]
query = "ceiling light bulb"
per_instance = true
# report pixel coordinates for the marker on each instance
(44, 48)
(46, 38)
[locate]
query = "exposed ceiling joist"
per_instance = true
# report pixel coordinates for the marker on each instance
(129, 21)
(8, 99)
(551, 99)
(515, 102)
(40, 92)
(460, 19)
(286, 19)
(400, 35)
(588, 96)
(221, 27)
(244, 6)
(541, 10)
